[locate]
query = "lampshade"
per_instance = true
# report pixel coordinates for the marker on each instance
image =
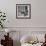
(7, 30)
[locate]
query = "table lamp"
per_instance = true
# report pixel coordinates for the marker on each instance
(7, 31)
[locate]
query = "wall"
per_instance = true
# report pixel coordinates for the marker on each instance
(38, 13)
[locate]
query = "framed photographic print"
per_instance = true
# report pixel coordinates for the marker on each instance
(23, 11)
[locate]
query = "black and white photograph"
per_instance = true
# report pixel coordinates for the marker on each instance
(23, 11)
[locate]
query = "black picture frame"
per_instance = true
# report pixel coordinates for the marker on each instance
(23, 11)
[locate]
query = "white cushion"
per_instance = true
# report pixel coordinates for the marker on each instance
(27, 38)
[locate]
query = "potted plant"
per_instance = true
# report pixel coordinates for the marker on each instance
(2, 19)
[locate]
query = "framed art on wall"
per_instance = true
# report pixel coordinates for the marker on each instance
(23, 11)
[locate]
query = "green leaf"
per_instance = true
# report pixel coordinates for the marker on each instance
(4, 13)
(1, 16)
(0, 12)
(3, 19)
(2, 26)
(0, 21)
(4, 16)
